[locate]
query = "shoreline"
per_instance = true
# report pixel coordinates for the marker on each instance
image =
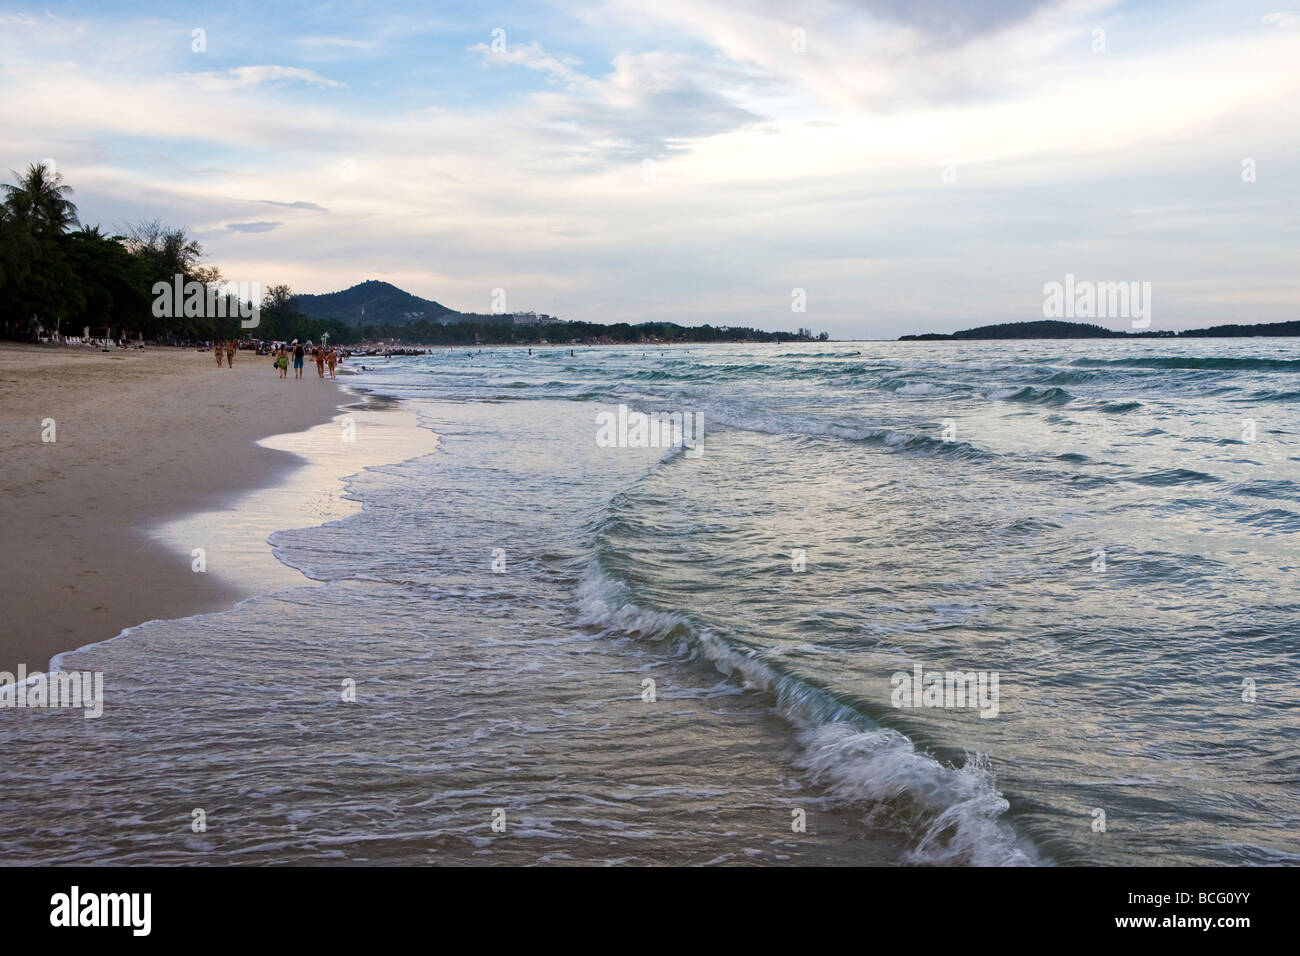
(368, 430)
(146, 443)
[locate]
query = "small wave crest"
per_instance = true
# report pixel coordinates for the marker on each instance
(1174, 476)
(1032, 396)
(902, 386)
(892, 439)
(954, 815)
(1274, 395)
(1222, 363)
(959, 808)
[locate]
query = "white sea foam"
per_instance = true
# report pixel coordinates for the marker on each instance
(954, 815)
(922, 388)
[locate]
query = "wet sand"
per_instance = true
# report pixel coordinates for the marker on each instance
(141, 438)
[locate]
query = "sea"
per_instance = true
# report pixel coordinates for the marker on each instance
(877, 603)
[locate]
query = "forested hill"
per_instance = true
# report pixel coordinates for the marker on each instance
(1052, 329)
(374, 303)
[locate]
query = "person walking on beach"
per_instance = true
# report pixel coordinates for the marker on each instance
(230, 354)
(320, 362)
(298, 353)
(333, 359)
(282, 361)
(217, 348)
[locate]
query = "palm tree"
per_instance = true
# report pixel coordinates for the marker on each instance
(39, 200)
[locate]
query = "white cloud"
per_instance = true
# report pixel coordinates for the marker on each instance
(1283, 21)
(247, 77)
(533, 57)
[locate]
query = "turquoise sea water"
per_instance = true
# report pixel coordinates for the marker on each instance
(1109, 527)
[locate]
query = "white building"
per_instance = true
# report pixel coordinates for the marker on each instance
(533, 318)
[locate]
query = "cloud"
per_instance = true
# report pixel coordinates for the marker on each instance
(842, 56)
(532, 56)
(949, 22)
(648, 106)
(247, 77)
(253, 226)
(1283, 21)
(300, 204)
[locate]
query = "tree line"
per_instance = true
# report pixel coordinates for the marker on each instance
(58, 276)
(469, 332)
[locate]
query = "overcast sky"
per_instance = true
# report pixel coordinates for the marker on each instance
(911, 165)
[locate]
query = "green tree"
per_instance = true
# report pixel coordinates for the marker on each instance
(165, 252)
(39, 200)
(17, 250)
(37, 287)
(114, 283)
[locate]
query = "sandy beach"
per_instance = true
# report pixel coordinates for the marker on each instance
(141, 438)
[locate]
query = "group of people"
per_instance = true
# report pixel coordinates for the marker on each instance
(226, 349)
(299, 353)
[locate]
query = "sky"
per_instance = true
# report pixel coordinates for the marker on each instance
(887, 166)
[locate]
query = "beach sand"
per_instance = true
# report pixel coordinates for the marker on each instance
(158, 452)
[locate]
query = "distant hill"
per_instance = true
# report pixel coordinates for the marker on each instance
(1053, 329)
(1242, 331)
(1042, 329)
(374, 303)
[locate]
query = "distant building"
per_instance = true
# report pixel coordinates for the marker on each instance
(534, 318)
